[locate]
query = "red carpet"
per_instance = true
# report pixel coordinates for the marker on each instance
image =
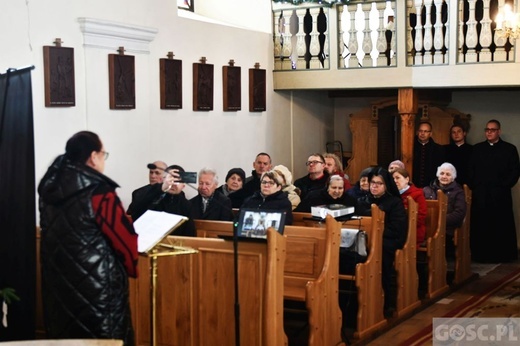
(501, 299)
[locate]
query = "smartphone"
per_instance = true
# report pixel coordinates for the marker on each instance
(188, 177)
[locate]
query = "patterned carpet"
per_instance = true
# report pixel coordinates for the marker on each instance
(500, 299)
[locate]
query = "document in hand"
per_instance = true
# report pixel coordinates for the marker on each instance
(153, 226)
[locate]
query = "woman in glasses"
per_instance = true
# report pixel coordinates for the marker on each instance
(271, 196)
(333, 194)
(88, 246)
(384, 193)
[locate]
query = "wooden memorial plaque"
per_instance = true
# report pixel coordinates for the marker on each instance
(171, 82)
(121, 72)
(202, 86)
(58, 70)
(257, 89)
(231, 90)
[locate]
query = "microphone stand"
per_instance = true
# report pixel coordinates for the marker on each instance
(235, 256)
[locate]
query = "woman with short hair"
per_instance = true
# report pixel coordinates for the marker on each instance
(270, 196)
(445, 181)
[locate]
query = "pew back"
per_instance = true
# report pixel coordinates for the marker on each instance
(406, 266)
(434, 250)
(462, 246)
(368, 275)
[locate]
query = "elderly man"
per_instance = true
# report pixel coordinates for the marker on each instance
(154, 176)
(317, 177)
(494, 168)
(427, 156)
(210, 204)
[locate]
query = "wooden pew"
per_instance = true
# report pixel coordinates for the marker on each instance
(368, 275)
(462, 247)
(434, 251)
(406, 266)
(310, 273)
(195, 294)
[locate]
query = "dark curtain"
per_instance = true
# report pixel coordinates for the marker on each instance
(17, 202)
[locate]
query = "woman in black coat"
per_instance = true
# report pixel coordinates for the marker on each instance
(384, 193)
(88, 247)
(271, 196)
(334, 194)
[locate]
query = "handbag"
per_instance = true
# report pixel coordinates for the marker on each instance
(354, 240)
(353, 250)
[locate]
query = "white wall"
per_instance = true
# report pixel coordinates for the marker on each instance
(217, 139)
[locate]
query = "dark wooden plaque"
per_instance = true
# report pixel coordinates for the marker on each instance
(202, 87)
(231, 90)
(121, 81)
(58, 65)
(171, 83)
(257, 90)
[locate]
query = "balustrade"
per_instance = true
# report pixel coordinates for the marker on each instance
(367, 33)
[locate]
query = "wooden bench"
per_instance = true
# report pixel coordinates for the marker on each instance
(462, 246)
(310, 274)
(195, 294)
(406, 266)
(367, 277)
(434, 253)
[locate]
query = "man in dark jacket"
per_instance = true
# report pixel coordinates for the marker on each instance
(427, 156)
(261, 165)
(458, 153)
(210, 204)
(155, 176)
(88, 247)
(317, 178)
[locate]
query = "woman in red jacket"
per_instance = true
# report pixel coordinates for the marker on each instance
(406, 188)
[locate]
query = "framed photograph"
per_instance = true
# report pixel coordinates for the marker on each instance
(253, 223)
(121, 81)
(257, 90)
(202, 87)
(231, 91)
(171, 83)
(58, 65)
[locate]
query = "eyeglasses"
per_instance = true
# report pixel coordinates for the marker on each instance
(269, 183)
(308, 163)
(377, 183)
(106, 153)
(487, 129)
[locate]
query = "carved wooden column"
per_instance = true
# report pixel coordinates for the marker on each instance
(407, 107)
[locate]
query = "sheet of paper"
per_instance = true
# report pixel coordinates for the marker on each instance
(153, 226)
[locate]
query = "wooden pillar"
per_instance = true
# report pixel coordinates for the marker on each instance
(407, 107)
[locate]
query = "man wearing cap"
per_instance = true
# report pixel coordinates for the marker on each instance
(154, 176)
(168, 197)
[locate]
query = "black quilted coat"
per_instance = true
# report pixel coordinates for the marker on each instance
(84, 285)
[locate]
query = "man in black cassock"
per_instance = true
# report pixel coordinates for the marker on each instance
(427, 156)
(458, 152)
(493, 170)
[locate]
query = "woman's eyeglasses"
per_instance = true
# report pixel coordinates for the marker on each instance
(377, 183)
(105, 153)
(268, 183)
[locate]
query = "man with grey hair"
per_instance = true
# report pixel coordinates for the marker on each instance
(210, 204)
